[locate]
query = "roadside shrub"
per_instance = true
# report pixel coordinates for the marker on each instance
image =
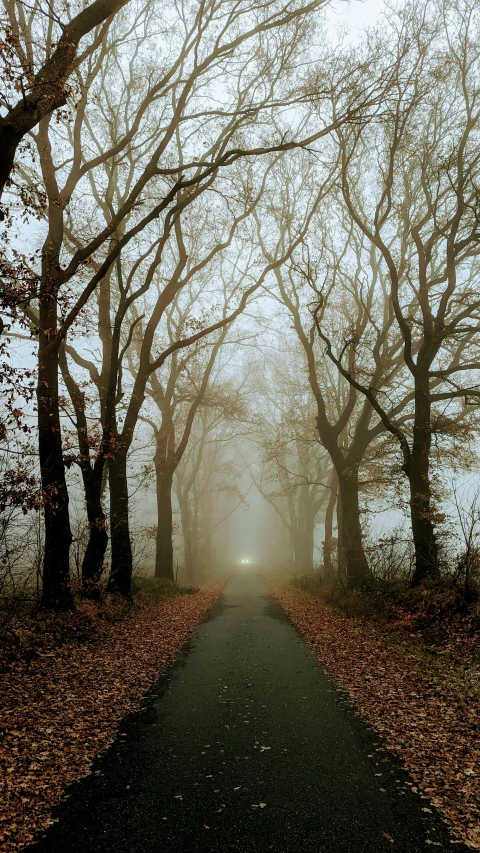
(309, 583)
(150, 590)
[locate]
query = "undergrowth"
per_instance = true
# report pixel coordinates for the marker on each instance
(29, 632)
(435, 613)
(150, 590)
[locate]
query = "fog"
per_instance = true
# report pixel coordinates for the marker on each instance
(240, 302)
(239, 425)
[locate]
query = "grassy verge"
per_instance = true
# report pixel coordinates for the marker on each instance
(435, 617)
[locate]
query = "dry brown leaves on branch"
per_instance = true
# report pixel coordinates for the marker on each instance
(61, 709)
(427, 711)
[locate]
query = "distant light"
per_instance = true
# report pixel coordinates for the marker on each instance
(245, 561)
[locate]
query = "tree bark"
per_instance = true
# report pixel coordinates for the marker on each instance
(328, 537)
(308, 535)
(122, 559)
(350, 538)
(418, 473)
(56, 594)
(341, 568)
(98, 540)
(207, 531)
(296, 552)
(8, 144)
(48, 90)
(92, 477)
(164, 550)
(187, 539)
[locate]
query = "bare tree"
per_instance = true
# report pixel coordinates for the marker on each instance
(344, 418)
(208, 479)
(168, 397)
(40, 51)
(156, 186)
(293, 474)
(415, 176)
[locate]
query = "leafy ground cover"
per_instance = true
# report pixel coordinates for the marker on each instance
(65, 685)
(425, 705)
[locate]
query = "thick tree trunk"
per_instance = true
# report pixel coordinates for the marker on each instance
(341, 568)
(56, 594)
(426, 550)
(351, 552)
(92, 477)
(308, 537)
(207, 534)
(122, 559)
(8, 145)
(98, 540)
(297, 549)
(328, 537)
(164, 545)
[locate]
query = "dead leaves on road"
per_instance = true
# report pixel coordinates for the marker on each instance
(57, 713)
(427, 711)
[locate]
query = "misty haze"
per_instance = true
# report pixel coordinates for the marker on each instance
(239, 426)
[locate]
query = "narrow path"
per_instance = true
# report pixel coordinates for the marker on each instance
(245, 746)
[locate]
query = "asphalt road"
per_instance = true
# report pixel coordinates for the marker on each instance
(245, 746)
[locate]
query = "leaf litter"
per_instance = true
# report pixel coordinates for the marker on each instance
(427, 710)
(60, 710)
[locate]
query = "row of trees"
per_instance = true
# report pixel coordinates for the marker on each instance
(384, 289)
(161, 104)
(200, 166)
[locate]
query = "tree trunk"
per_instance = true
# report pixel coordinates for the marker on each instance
(341, 568)
(291, 549)
(351, 553)
(308, 535)
(98, 540)
(207, 531)
(164, 546)
(92, 476)
(187, 539)
(56, 594)
(426, 551)
(194, 516)
(297, 548)
(8, 145)
(328, 537)
(122, 559)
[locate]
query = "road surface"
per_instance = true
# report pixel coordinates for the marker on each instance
(245, 746)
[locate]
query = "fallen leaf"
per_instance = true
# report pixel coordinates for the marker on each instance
(65, 707)
(426, 710)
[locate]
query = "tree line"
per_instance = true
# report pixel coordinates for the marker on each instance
(172, 168)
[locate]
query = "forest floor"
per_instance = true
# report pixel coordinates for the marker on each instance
(65, 685)
(422, 694)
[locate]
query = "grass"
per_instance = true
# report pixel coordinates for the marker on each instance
(435, 615)
(148, 591)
